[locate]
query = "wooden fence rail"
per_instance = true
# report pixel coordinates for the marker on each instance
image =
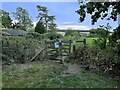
(32, 59)
(65, 48)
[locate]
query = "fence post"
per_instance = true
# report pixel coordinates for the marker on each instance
(74, 46)
(84, 41)
(46, 49)
(70, 46)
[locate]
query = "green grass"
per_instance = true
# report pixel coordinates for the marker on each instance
(90, 40)
(49, 74)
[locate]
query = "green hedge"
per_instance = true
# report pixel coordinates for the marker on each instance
(107, 60)
(18, 49)
(34, 35)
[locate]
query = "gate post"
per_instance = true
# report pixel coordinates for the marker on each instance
(70, 46)
(74, 46)
(84, 41)
(46, 50)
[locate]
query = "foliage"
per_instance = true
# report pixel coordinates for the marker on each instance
(106, 60)
(5, 19)
(103, 10)
(103, 36)
(34, 35)
(17, 49)
(40, 28)
(52, 27)
(72, 33)
(45, 18)
(90, 40)
(31, 29)
(23, 18)
(99, 10)
(116, 34)
(52, 34)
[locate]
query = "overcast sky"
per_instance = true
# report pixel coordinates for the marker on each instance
(63, 11)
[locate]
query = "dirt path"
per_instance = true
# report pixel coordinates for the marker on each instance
(73, 68)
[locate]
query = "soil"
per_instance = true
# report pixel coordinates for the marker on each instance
(73, 68)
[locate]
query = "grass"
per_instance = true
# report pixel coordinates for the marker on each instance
(48, 74)
(90, 40)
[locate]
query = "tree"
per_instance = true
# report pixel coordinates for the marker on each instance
(15, 25)
(116, 34)
(23, 18)
(71, 33)
(99, 10)
(52, 27)
(44, 17)
(5, 18)
(40, 28)
(103, 35)
(102, 10)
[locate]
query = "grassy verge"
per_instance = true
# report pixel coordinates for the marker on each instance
(49, 74)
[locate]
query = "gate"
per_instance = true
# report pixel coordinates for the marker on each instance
(56, 49)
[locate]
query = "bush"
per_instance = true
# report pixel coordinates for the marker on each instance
(106, 60)
(53, 34)
(34, 35)
(18, 49)
(31, 30)
(72, 33)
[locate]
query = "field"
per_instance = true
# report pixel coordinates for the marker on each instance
(90, 40)
(49, 74)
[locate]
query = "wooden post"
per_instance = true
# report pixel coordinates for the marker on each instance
(74, 46)
(46, 50)
(70, 46)
(84, 41)
(61, 61)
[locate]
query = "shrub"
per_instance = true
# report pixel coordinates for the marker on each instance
(31, 30)
(18, 49)
(52, 34)
(72, 33)
(34, 35)
(106, 60)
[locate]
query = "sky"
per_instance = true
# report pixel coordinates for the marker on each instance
(64, 12)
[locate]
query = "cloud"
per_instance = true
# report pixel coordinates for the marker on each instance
(68, 22)
(74, 27)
